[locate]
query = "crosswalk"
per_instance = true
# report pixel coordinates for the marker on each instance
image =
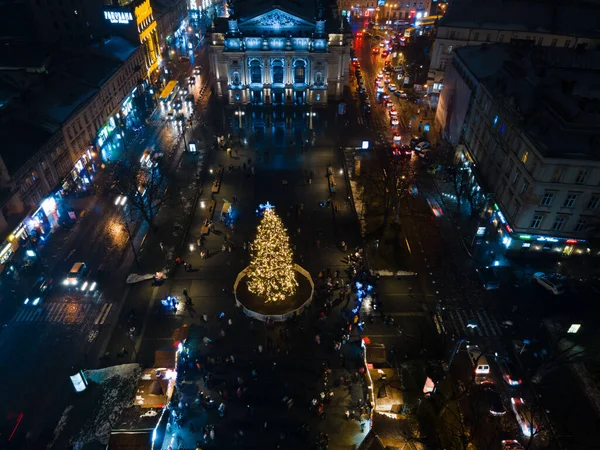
(67, 313)
(467, 322)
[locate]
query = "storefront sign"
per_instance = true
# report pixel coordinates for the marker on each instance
(122, 17)
(480, 231)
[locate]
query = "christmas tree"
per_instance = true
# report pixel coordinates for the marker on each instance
(271, 273)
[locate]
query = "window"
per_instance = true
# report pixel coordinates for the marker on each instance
(449, 49)
(553, 43)
(580, 226)
(453, 35)
(524, 157)
(557, 175)
(558, 223)
(567, 43)
(235, 78)
(570, 201)
(255, 72)
(516, 178)
(476, 36)
(525, 187)
(547, 199)
(594, 202)
(299, 72)
(277, 72)
(536, 222)
(582, 176)
(540, 41)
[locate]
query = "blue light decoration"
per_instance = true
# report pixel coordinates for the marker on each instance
(300, 43)
(276, 43)
(253, 43)
(495, 121)
(264, 207)
(320, 44)
(233, 43)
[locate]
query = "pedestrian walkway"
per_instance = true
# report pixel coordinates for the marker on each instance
(57, 313)
(462, 322)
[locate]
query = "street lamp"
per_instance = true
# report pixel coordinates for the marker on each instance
(239, 113)
(310, 115)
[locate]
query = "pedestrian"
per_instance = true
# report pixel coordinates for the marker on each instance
(260, 348)
(230, 322)
(232, 359)
(185, 266)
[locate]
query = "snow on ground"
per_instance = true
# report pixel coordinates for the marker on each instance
(390, 273)
(136, 278)
(96, 410)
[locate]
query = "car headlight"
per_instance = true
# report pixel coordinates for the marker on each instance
(66, 282)
(93, 286)
(36, 301)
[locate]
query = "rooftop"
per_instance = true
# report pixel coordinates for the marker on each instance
(16, 150)
(519, 15)
(93, 69)
(552, 94)
(115, 47)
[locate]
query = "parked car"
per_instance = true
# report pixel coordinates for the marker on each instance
(422, 146)
(511, 444)
(509, 371)
(392, 87)
(555, 287)
(494, 400)
(415, 140)
(489, 279)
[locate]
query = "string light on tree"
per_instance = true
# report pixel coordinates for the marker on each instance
(271, 272)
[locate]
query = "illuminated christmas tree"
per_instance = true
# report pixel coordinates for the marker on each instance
(271, 273)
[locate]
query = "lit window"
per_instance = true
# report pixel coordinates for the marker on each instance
(524, 157)
(558, 223)
(318, 97)
(557, 175)
(580, 225)
(570, 201)
(536, 222)
(547, 199)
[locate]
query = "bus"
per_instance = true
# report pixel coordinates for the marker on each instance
(169, 92)
(409, 32)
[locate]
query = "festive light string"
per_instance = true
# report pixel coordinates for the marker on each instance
(271, 273)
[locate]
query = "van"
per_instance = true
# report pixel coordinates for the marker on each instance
(479, 361)
(75, 274)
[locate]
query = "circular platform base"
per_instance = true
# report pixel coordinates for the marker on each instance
(254, 306)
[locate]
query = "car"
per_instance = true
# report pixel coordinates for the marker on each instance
(524, 416)
(376, 50)
(392, 87)
(393, 112)
(509, 371)
(197, 70)
(479, 361)
(75, 274)
(389, 104)
(192, 80)
(362, 90)
(386, 80)
(171, 115)
(415, 140)
(385, 54)
(367, 109)
(489, 279)
(511, 444)
(183, 59)
(380, 76)
(494, 400)
(380, 88)
(394, 121)
(41, 288)
(401, 94)
(189, 98)
(177, 105)
(548, 283)
(421, 146)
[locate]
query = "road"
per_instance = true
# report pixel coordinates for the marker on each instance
(41, 345)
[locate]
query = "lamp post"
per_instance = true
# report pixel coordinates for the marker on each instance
(310, 115)
(239, 113)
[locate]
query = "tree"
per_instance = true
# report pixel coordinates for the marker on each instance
(144, 185)
(271, 273)
(464, 186)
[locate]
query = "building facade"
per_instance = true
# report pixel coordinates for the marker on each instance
(276, 57)
(530, 135)
(543, 24)
(386, 12)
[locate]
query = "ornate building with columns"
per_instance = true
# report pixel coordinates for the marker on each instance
(290, 53)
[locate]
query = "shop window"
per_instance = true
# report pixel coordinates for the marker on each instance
(558, 223)
(594, 202)
(299, 72)
(547, 199)
(581, 225)
(570, 201)
(536, 222)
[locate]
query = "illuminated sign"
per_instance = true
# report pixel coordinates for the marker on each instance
(501, 217)
(123, 17)
(480, 231)
(572, 241)
(547, 239)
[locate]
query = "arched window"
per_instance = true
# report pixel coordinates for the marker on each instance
(319, 79)
(299, 72)
(277, 72)
(255, 72)
(235, 79)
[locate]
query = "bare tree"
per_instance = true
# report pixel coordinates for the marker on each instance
(464, 186)
(565, 353)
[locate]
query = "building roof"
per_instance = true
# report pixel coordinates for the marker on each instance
(60, 96)
(93, 68)
(130, 441)
(20, 142)
(116, 47)
(550, 93)
(523, 15)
